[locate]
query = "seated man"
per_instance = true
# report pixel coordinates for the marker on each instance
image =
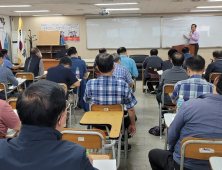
(121, 72)
(63, 74)
(101, 50)
(187, 55)
(152, 61)
(127, 62)
(5, 76)
(107, 90)
(8, 119)
(215, 66)
(34, 63)
(76, 62)
(42, 110)
(198, 118)
(167, 63)
(173, 75)
(195, 85)
(7, 63)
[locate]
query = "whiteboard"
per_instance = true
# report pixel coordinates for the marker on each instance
(209, 29)
(127, 32)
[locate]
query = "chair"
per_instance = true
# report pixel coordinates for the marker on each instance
(12, 102)
(112, 108)
(64, 86)
(152, 71)
(90, 139)
(167, 88)
(213, 75)
(3, 87)
(29, 76)
(74, 103)
(198, 148)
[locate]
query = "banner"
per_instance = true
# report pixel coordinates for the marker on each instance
(70, 32)
(21, 50)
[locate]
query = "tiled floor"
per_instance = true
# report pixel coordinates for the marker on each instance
(142, 142)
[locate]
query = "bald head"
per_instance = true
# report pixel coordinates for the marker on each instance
(178, 59)
(34, 50)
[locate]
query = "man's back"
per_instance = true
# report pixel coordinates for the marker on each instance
(167, 65)
(7, 75)
(122, 73)
(107, 90)
(191, 88)
(186, 56)
(130, 64)
(213, 67)
(199, 118)
(41, 148)
(60, 74)
(32, 65)
(76, 62)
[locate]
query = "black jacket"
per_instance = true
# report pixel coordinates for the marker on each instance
(32, 64)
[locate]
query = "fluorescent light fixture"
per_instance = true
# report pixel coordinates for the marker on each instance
(128, 3)
(209, 7)
(32, 11)
(13, 6)
(123, 9)
(47, 15)
(213, 10)
(214, 0)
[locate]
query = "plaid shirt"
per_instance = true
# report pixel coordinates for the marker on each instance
(107, 90)
(191, 88)
(122, 73)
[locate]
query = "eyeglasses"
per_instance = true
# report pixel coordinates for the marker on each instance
(67, 107)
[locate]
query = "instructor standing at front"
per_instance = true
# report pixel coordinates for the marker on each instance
(194, 37)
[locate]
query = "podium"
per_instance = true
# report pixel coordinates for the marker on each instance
(180, 47)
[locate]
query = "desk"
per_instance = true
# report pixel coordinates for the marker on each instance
(48, 63)
(104, 118)
(105, 164)
(168, 117)
(42, 76)
(216, 163)
(113, 118)
(20, 82)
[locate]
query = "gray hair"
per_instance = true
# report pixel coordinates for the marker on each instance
(116, 57)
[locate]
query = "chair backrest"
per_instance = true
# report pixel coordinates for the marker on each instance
(213, 75)
(12, 102)
(168, 88)
(198, 148)
(153, 72)
(90, 139)
(64, 86)
(116, 107)
(3, 87)
(25, 75)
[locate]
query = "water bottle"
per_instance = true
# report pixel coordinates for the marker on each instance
(77, 72)
(179, 102)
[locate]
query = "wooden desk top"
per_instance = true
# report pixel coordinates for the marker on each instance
(104, 118)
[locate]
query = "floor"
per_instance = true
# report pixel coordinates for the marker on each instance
(142, 142)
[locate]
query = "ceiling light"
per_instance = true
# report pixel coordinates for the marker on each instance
(214, 0)
(130, 3)
(46, 15)
(33, 11)
(213, 10)
(209, 7)
(12, 6)
(122, 9)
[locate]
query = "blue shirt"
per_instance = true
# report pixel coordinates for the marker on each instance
(42, 148)
(122, 73)
(186, 56)
(61, 74)
(7, 63)
(213, 67)
(76, 62)
(130, 64)
(7, 75)
(199, 118)
(191, 88)
(107, 90)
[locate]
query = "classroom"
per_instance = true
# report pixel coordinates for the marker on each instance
(111, 84)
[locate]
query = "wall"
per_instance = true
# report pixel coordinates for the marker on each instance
(34, 24)
(7, 29)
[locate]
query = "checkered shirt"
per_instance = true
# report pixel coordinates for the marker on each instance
(107, 90)
(122, 73)
(191, 88)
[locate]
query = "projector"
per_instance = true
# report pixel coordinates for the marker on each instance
(104, 12)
